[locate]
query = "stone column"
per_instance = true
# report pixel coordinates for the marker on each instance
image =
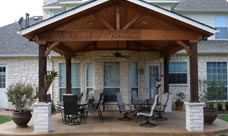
(194, 117)
(42, 117)
(42, 110)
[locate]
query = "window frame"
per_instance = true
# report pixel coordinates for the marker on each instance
(187, 73)
(61, 87)
(6, 75)
(226, 86)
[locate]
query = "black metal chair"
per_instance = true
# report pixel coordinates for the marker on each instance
(160, 108)
(71, 113)
(149, 115)
(122, 108)
(96, 107)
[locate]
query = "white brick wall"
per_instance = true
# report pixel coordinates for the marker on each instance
(25, 69)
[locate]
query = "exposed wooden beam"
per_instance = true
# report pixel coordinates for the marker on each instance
(104, 22)
(117, 16)
(194, 73)
(64, 50)
(119, 35)
(185, 46)
(42, 73)
(129, 24)
(170, 50)
(68, 76)
(50, 47)
(166, 74)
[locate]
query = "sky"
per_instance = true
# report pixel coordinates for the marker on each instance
(12, 10)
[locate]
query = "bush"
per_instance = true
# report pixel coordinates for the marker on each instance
(226, 105)
(220, 106)
(211, 105)
(21, 96)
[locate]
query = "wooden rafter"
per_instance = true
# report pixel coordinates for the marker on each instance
(104, 22)
(50, 47)
(119, 35)
(130, 23)
(185, 46)
(64, 50)
(117, 16)
(170, 50)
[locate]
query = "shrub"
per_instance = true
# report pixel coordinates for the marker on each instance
(211, 105)
(21, 96)
(226, 105)
(219, 106)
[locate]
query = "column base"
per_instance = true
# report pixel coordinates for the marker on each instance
(42, 117)
(194, 117)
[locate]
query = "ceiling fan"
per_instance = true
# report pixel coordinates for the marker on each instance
(117, 54)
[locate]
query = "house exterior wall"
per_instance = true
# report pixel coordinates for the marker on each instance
(25, 69)
(21, 69)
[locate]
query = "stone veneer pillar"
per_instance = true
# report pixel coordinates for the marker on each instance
(194, 117)
(42, 117)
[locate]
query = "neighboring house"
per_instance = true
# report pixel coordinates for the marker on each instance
(19, 61)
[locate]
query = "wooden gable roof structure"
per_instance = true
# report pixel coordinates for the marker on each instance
(119, 24)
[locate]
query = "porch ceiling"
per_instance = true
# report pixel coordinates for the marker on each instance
(117, 24)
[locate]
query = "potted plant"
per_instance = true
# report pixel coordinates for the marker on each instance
(21, 96)
(210, 90)
(179, 101)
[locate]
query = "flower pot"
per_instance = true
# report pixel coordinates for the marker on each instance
(21, 118)
(210, 115)
(179, 105)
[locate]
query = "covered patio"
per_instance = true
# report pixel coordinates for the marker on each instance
(112, 126)
(119, 31)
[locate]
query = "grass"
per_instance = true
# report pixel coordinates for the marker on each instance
(4, 119)
(223, 117)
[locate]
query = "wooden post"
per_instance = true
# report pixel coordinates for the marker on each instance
(68, 76)
(42, 73)
(194, 73)
(166, 74)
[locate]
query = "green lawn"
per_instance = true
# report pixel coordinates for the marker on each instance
(223, 117)
(4, 119)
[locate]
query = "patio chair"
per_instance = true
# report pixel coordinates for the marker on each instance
(149, 115)
(71, 112)
(122, 108)
(160, 108)
(96, 108)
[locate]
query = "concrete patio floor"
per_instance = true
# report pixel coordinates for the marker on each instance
(174, 126)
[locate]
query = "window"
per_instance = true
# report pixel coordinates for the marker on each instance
(111, 75)
(2, 77)
(75, 79)
(133, 76)
(221, 24)
(89, 78)
(178, 73)
(217, 71)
